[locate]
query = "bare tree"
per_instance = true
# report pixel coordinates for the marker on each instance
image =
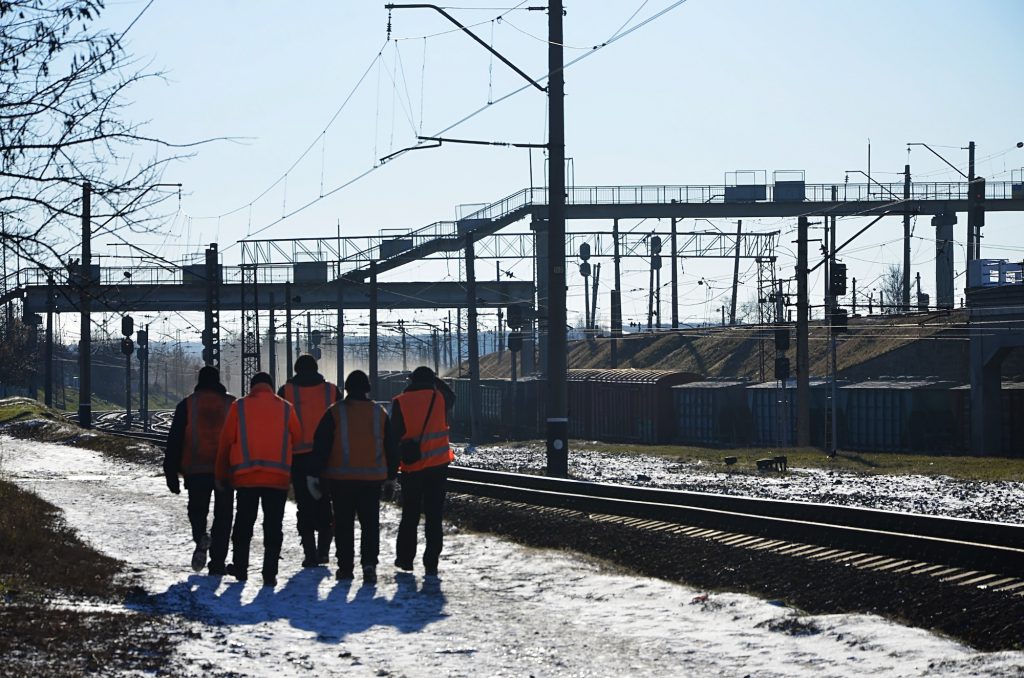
(891, 288)
(63, 84)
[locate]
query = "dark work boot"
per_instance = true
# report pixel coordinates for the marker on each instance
(310, 558)
(323, 551)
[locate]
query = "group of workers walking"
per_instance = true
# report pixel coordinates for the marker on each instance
(340, 456)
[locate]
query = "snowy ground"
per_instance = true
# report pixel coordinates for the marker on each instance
(497, 610)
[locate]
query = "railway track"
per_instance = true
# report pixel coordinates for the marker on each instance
(978, 546)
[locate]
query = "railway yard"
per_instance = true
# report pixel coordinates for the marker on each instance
(518, 567)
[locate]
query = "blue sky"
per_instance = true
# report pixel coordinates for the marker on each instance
(710, 87)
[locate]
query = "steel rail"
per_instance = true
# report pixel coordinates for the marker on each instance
(989, 546)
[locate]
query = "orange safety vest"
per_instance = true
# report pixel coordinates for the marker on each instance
(206, 411)
(435, 449)
(261, 455)
(310, 404)
(358, 451)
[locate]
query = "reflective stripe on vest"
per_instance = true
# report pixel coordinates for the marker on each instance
(379, 467)
(247, 461)
(304, 445)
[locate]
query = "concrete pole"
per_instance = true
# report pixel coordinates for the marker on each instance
(272, 342)
(474, 348)
(557, 372)
(736, 273)
(372, 357)
(340, 330)
(906, 242)
(289, 359)
(674, 259)
(48, 350)
(84, 306)
(803, 384)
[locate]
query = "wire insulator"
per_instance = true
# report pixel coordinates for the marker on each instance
(389, 25)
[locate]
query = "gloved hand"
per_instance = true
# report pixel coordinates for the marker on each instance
(387, 490)
(313, 485)
(173, 484)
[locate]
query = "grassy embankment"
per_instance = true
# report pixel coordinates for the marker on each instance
(62, 600)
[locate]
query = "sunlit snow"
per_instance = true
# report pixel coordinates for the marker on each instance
(498, 609)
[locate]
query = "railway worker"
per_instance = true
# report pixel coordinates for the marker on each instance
(254, 457)
(191, 452)
(312, 395)
(419, 422)
(357, 461)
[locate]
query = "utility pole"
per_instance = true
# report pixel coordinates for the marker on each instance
(372, 357)
(854, 310)
(906, 240)
(616, 297)
(458, 337)
(736, 273)
(48, 351)
(309, 332)
(501, 317)
(289, 359)
(84, 306)
(474, 348)
(803, 386)
(272, 343)
(340, 338)
(558, 405)
(831, 304)
(972, 225)
(593, 300)
(436, 349)
(674, 258)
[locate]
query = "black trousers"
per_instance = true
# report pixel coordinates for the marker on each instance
(312, 515)
(351, 499)
(249, 499)
(422, 492)
(199, 510)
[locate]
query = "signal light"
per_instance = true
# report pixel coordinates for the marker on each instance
(782, 369)
(782, 339)
(514, 317)
(839, 320)
(127, 325)
(837, 280)
(515, 341)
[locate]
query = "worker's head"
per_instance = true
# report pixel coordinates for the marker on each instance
(208, 376)
(422, 375)
(305, 363)
(357, 383)
(261, 378)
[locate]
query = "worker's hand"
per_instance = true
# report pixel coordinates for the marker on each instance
(173, 484)
(387, 490)
(313, 485)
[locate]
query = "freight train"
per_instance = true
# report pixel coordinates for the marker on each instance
(661, 406)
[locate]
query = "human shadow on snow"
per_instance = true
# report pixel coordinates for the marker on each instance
(332, 618)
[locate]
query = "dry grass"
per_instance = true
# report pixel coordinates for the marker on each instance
(932, 345)
(51, 582)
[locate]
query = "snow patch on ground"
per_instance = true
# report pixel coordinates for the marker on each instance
(498, 609)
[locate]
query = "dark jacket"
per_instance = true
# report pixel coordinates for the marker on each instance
(323, 442)
(398, 424)
(176, 441)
